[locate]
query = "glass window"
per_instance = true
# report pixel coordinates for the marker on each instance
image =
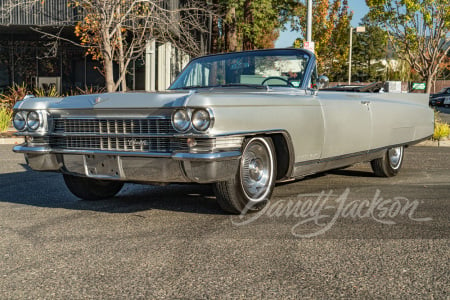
(276, 67)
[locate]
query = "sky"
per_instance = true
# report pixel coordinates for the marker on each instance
(359, 8)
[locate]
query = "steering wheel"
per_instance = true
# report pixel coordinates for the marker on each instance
(277, 78)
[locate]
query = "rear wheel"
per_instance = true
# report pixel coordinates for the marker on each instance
(389, 164)
(251, 188)
(92, 189)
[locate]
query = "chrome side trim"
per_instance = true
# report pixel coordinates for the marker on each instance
(207, 156)
(251, 133)
(319, 165)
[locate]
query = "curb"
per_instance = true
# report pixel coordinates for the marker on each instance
(11, 141)
(9, 138)
(429, 143)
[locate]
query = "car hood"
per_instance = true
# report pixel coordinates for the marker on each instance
(167, 100)
(109, 101)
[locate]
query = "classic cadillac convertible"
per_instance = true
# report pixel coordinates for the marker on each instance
(240, 121)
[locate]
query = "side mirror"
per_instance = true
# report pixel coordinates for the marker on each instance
(324, 81)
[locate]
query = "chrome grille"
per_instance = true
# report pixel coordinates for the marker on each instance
(131, 135)
(130, 144)
(108, 126)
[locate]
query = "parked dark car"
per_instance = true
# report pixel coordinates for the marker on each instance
(441, 99)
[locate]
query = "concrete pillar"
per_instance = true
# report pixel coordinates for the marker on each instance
(164, 66)
(168, 57)
(150, 66)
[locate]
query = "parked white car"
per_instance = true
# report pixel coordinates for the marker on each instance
(240, 121)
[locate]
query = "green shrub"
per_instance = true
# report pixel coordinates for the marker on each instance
(5, 118)
(441, 129)
(14, 94)
(51, 92)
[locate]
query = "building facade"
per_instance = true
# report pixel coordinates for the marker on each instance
(29, 57)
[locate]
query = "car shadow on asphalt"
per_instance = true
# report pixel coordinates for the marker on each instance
(47, 189)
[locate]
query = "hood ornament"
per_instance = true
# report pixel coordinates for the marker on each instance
(98, 100)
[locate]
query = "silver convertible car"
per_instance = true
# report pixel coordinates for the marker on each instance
(240, 121)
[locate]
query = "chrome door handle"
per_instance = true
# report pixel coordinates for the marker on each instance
(365, 102)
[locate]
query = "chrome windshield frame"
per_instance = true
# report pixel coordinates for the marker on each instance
(305, 83)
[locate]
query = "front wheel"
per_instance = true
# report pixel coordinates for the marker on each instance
(92, 189)
(389, 164)
(251, 188)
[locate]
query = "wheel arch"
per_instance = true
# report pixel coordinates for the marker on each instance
(284, 152)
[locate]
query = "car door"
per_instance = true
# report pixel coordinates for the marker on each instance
(347, 124)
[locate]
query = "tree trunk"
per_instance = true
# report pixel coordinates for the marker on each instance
(109, 74)
(231, 34)
(215, 35)
(122, 67)
(108, 65)
(247, 43)
(107, 56)
(429, 81)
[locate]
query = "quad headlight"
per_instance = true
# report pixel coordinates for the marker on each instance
(201, 119)
(181, 120)
(33, 120)
(197, 119)
(20, 121)
(30, 121)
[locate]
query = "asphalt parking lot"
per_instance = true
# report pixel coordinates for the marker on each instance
(444, 114)
(175, 242)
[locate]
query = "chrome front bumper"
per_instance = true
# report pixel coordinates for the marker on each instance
(134, 167)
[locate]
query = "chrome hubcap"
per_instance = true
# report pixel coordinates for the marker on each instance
(256, 167)
(395, 157)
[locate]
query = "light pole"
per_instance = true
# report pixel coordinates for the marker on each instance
(309, 44)
(309, 22)
(358, 29)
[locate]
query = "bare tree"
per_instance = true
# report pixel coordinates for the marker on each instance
(117, 31)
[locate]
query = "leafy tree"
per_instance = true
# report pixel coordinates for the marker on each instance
(369, 49)
(444, 68)
(249, 24)
(330, 34)
(400, 70)
(418, 31)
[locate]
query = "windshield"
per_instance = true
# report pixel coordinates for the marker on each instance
(283, 67)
